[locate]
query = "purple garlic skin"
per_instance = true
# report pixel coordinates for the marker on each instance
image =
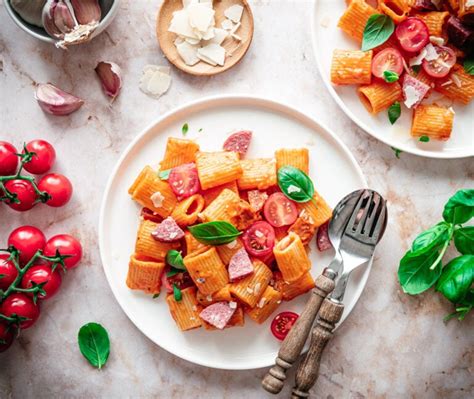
(460, 35)
(55, 101)
(86, 11)
(424, 5)
(63, 20)
(110, 76)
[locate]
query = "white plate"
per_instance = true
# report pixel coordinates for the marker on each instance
(333, 169)
(327, 37)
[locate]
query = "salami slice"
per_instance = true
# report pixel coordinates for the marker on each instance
(240, 265)
(168, 231)
(238, 142)
(322, 238)
(218, 314)
(257, 199)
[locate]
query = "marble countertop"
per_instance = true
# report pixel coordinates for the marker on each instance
(392, 345)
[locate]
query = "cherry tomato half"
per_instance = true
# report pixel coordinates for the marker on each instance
(441, 66)
(43, 274)
(259, 239)
(44, 157)
(181, 280)
(279, 210)
(413, 34)
(8, 272)
(184, 180)
(7, 335)
(282, 324)
(66, 245)
(25, 193)
(58, 187)
(21, 305)
(8, 159)
(389, 59)
(28, 240)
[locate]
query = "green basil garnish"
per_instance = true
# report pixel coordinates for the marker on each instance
(214, 233)
(460, 207)
(164, 174)
(390, 76)
(295, 184)
(469, 66)
(396, 150)
(394, 112)
(464, 240)
(419, 272)
(457, 278)
(424, 139)
(156, 295)
(177, 293)
(175, 259)
(378, 29)
(94, 344)
(184, 129)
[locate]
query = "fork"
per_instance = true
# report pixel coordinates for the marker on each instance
(364, 230)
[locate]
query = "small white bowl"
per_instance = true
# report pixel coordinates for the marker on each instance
(109, 11)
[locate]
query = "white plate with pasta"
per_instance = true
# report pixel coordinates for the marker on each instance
(208, 123)
(325, 18)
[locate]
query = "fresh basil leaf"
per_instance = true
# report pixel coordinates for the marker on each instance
(457, 278)
(177, 293)
(397, 152)
(214, 233)
(200, 130)
(390, 76)
(414, 273)
(469, 66)
(94, 344)
(434, 237)
(175, 259)
(424, 139)
(460, 207)
(295, 184)
(156, 295)
(173, 272)
(416, 69)
(184, 129)
(464, 240)
(394, 112)
(378, 29)
(164, 174)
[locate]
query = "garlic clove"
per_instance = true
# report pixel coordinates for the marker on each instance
(48, 19)
(63, 19)
(86, 11)
(55, 101)
(110, 76)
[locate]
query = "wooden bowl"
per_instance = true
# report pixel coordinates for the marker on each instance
(236, 49)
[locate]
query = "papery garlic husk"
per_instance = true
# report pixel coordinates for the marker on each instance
(110, 76)
(80, 34)
(55, 101)
(29, 10)
(86, 11)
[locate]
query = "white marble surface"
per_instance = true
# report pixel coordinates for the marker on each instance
(391, 346)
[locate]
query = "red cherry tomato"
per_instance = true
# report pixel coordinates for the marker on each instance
(25, 193)
(282, 324)
(8, 159)
(184, 180)
(259, 239)
(42, 274)
(58, 187)
(21, 305)
(413, 34)
(66, 245)
(147, 214)
(28, 240)
(279, 210)
(441, 66)
(8, 272)
(181, 280)
(7, 335)
(44, 157)
(389, 59)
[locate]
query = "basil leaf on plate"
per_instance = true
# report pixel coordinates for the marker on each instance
(460, 207)
(457, 278)
(94, 344)
(424, 139)
(378, 29)
(164, 174)
(184, 129)
(295, 184)
(464, 240)
(214, 233)
(469, 66)
(390, 76)
(415, 274)
(175, 259)
(433, 237)
(394, 112)
(177, 293)
(156, 295)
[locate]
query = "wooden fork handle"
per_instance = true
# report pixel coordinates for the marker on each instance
(294, 342)
(308, 370)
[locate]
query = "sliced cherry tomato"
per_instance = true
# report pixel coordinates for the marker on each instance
(58, 187)
(259, 239)
(23, 306)
(441, 66)
(44, 157)
(7, 336)
(148, 214)
(66, 245)
(389, 59)
(8, 159)
(184, 180)
(40, 274)
(25, 193)
(413, 34)
(279, 210)
(8, 272)
(28, 240)
(181, 280)
(282, 324)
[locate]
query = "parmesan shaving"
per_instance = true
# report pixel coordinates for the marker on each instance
(233, 305)
(155, 80)
(411, 96)
(213, 52)
(293, 189)
(418, 59)
(232, 244)
(157, 199)
(439, 41)
(234, 13)
(431, 53)
(456, 80)
(227, 24)
(188, 53)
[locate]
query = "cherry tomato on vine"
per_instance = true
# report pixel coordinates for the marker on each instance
(39, 274)
(8, 159)
(259, 239)
(28, 240)
(25, 193)
(21, 305)
(58, 187)
(7, 335)
(44, 157)
(282, 324)
(66, 245)
(8, 272)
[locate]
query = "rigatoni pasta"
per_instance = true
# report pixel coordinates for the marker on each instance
(458, 86)
(257, 173)
(379, 95)
(217, 168)
(250, 289)
(354, 19)
(291, 257)
(267, 304)
(144, 274)
(147, 246)
(351, 67)
(432, 121)
(296, 157)
(178, 152)
(186, 212)
(185, 312)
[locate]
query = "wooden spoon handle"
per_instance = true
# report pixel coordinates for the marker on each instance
(308, 370)
(293, 343)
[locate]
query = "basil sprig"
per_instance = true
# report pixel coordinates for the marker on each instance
(94, 344)
(378, 29)
(295, 184)
(214, 233)
(390, 76)
(175, 259)
(421, 267)
(177, 293)
(469, 66)
(394, 112)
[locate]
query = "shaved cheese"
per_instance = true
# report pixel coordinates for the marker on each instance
(412, 96)
(159, 68)
(179, 40)
(201, 17)
(219, 36)
(236, 37)
(157, 199)
(206, 59)
(209, 34)
(227, 24)
(233, 305)
(155, 82)
(188, 53)
(418, 59)
(456, 80)
(431, 53)
(213, 52)
(469, 3)
(439, 41)
(180, 24)
(193, 41)
(235, 28)
(234, 13)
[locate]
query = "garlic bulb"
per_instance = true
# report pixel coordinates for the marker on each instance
(55, 101)
(29, 10)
